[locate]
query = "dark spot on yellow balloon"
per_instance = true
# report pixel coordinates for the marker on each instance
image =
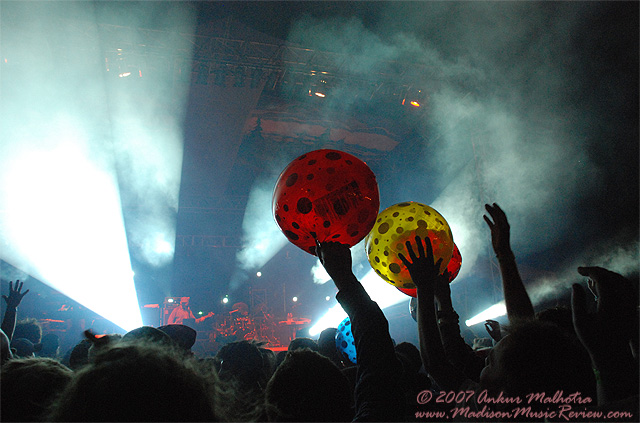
(395, 268)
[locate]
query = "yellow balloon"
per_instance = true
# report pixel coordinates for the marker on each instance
(401, 223)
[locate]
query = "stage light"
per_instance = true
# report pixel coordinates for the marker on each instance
(294, 299)
(415, 104)
(170, 300)
(258, 274)
(65, 222)
(319, 94)
(496, 310)
(162, 246)
(225, 300)
(327, 298)
(67, 227)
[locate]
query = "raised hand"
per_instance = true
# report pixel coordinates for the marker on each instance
(424, 272)
(500, 229)
(443, 291)
(336, 259)
(493, 329)
(15, 296)
(611, 324)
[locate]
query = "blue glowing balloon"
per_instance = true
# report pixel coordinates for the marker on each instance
(345, 343)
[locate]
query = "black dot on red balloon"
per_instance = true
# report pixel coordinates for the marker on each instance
(291, 235)
(302, 157)
(285, 208)
(352, 230)
(349, 162)
(339, 208)
(309, 176)
(295, 225)
(314, 235)
(332, 155)
(331, 170)
(326, 223)
(363, 215)
(304, 205)
(292, 179)
(395, 268)
(336, 236)
(278, 218)
(312, 162)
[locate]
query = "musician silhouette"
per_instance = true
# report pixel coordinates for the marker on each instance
(183, 315)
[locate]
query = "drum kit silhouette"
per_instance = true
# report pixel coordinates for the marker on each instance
(238, 324)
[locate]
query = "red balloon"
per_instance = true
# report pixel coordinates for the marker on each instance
(453, 268)
(328, 195)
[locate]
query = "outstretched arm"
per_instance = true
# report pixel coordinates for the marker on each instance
(606, 333)
(424, 274)
(516, 298)
(13, 301)
(458, 352)
(378, 392)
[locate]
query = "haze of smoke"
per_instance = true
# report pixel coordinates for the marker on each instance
(497, 129)
(262, 237)
(147, 133)
(139, 127)
(622, 259)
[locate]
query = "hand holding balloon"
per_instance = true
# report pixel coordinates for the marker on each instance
(401, 223)
(453, 268)
(422, 268)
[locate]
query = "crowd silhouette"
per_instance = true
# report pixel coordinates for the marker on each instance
(580, 359)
